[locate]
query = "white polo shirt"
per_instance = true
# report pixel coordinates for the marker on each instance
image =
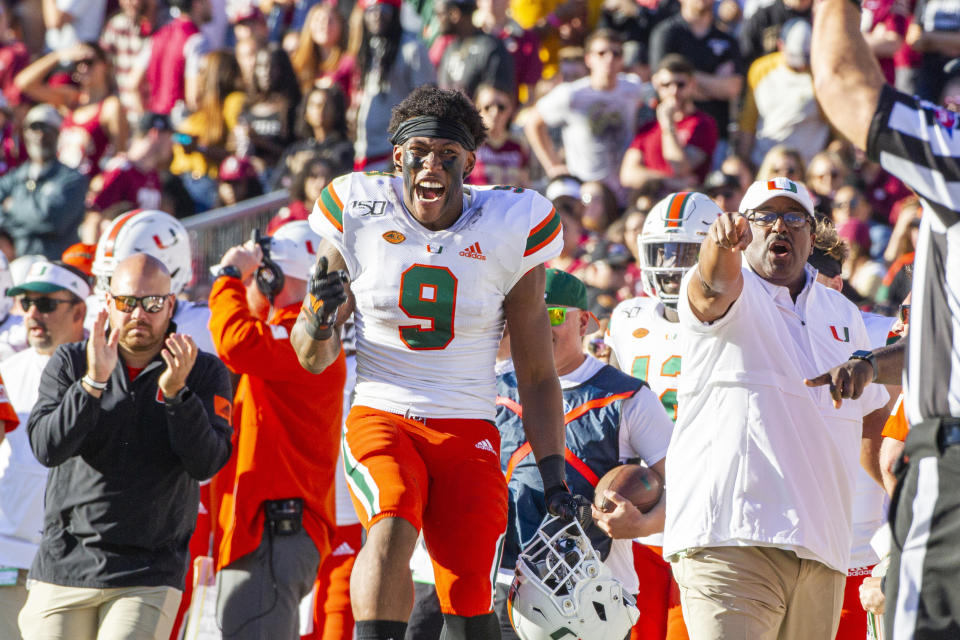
(757, 458)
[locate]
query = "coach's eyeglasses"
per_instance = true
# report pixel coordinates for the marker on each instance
(150, 304)
(792, 219)
(43, 304)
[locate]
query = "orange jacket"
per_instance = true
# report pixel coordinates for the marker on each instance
(286, 420)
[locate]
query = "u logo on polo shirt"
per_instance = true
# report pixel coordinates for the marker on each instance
(836, 334)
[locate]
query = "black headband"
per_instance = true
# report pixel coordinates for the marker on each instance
(433, 127)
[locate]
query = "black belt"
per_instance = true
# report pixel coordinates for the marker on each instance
(949, 432)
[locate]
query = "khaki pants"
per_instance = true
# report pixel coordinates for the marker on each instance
(758, 593)
(53, 612)
(12, 598)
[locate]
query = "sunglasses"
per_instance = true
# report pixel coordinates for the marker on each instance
(792, 219)
(128, 304)
(43, 304)
(557, 315)
(904, 314)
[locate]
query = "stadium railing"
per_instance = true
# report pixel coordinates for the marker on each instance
(213, 232)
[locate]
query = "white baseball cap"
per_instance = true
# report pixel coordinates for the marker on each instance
(44, 114)
(763, 191)
(294, 248)
(46, 277)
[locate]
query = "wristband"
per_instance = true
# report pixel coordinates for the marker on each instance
(867, 356)
(553, 471)
(93, 384)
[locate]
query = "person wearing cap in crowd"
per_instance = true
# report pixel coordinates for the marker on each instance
(135, 175)
(237, 181)
(279, 518)
(676, 148)
(780, 107)
(390, 64)
(43, 197)
(472, 57)
(779, 456)
(724, 189)
(564, 193)
(122, 494)
(52, 299)
(632, 426)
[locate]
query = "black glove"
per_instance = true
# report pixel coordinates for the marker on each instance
(568, 506)
(325, 294)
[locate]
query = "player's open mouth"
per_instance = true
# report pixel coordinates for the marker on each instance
(429, 191)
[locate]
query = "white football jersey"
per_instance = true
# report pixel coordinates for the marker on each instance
(429, 304)
(646, 347)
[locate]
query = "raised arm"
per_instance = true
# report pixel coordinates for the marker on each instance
(846, 76)
(717, 280)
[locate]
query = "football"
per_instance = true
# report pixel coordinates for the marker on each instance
(640, 485)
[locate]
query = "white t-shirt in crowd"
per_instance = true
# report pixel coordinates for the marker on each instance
(758, 458)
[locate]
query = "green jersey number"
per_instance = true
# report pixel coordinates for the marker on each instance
(428, 293)
(669, 369)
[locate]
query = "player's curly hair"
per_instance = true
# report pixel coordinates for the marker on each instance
(428, 100)
(829, 242)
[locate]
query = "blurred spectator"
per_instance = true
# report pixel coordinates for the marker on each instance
(724, 189)
(864, 274)
(600, 206)
(851, 203)
(94, 124)
(935, 34)
(122, 494)
(779, 107)
(308, 182)
(903, 238)
(200, 144)
(761, 32)
(390, 63)
(634, 21)
(605, 276)
(70, 22)
(596, 116)
(135, 176)
(734, 165)
(320, 128)
(126, 40)
(248, 22)
(884, 25)
(268, 117)
(53, 316)
(43, 198)
(246, 53)
(523, 44)
(500, 159)
(472, 57)
(286, 17)
(564, 193)
(677, 147)
(950, 96)
(781, 160)
(714, 55)
(237, 181)
(826, 172)
(175, 55)
(12, 152)
(14, 57)
(13, 335)
(320, 56)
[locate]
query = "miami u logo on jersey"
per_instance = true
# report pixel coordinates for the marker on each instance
(836, 335)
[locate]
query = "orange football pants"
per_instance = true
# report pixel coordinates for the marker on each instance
(853, 618)
(443, 476)
(661, 617)
(332, 613)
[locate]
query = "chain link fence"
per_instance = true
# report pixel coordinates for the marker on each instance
(215, 231)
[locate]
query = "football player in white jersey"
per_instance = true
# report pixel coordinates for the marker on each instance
(642, 337)
(434, 270)
(162, 236)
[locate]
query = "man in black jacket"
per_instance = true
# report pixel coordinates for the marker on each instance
(128, 422)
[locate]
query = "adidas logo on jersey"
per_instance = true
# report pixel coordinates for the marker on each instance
(473, 251)
(344, 550)
(484, 445)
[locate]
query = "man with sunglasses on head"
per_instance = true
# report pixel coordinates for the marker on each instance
(279, 518)
(760, 534)
(51, 298)
(128, 422)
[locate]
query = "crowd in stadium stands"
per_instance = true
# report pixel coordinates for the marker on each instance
(604, 106)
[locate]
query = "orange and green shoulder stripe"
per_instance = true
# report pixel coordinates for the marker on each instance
(544, 233)
(331, 207)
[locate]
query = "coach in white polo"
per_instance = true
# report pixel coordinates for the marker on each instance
(759, 534)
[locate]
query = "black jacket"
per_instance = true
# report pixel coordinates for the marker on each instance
(122, 494)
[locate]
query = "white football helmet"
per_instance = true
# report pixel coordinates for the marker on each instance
(155, 233)
(669, 243)
(294, 248)
(563, 590)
